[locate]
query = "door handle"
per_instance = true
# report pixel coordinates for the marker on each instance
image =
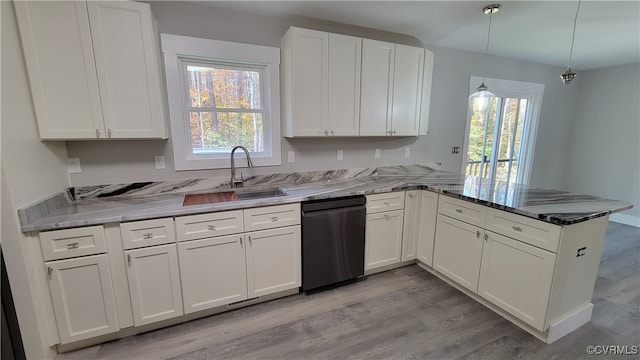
(73, 245)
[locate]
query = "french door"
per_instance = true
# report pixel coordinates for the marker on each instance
(499, 140)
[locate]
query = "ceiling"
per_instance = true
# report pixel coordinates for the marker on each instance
(607, 32)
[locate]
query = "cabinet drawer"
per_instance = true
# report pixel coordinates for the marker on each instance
(271, 217)
(147, 233)
(385, 202)
(61, 244)
(209, 225)
(466, 211)
(527, 230)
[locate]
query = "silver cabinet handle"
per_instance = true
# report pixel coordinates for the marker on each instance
(73, 245)
(394, 132)
(332, 132)
(147, 235)
(49, 271)
(486, 237)
(274, 218)
(249, 239)
(240, 241)
(129, 259)
(459, 211)
(478, 234)
(389, 132)
(98, 133)
(109, 133)
(326, 132)
(517, 228)
(211, 227)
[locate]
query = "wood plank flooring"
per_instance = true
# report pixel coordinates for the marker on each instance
(406, 313)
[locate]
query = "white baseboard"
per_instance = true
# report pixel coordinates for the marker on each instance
(562, 328)
(625, 219)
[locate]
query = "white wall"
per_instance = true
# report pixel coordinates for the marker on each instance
(604, 156)
(31, 170)
(125, 161)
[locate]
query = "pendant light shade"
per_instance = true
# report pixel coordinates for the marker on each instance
(568, 75)
(483, 95)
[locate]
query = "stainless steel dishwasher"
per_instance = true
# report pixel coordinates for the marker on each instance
(332, 240)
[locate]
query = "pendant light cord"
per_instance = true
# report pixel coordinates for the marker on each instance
(486, 52)
(573, 39)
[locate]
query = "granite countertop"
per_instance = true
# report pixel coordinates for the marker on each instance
(94, 205)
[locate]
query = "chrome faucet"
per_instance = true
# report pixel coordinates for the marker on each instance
(238, 182)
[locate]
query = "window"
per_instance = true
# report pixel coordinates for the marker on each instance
(221, 95)
(500, 141)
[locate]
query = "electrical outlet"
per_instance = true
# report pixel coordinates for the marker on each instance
(291, 156)
(407, 152)
(377, 154)
(455, 150)
(73, 166)
(340, 155)
(159, 161)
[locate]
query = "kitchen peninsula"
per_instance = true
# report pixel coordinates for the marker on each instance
(531, 255)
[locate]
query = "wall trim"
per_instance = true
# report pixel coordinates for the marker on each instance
(625, 219)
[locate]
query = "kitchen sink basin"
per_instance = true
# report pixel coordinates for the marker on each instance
(225, 196)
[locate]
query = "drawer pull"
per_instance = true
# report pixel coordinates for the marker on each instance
(478, 234)
(49, 271)
(211, 227)
(73, 245)
(147, 235)
(459, 211)
(240, 241)
(249, 239)
(517, 228)
(129, 259)
(274, 218)
(486, 237)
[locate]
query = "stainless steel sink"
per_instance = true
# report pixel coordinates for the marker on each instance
(226, 196)
(259, 193)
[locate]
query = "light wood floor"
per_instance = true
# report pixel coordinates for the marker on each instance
(405, 313)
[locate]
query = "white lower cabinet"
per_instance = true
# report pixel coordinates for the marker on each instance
(213, 272)
(427, 226)
(82, 296)
(273, 260)
(458, 251)
(383, 239)
(154, 283)
(517, 278)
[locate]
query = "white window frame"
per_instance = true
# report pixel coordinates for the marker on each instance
(177, 49)
(533, 92)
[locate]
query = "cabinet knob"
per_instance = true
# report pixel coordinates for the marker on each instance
(211, 227)
(517, 228)
(147, 235)
(73, 245)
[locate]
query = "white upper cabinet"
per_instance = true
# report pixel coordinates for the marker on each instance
(321, 78)
(392, 81)
(94, 69)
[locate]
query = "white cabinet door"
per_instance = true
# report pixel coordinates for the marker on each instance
(407, 90)
(82, 296)
(383, 239)
(154, 283)
(128, 68)
(344, 85)
(517, 278)
(273, 260)
(458, 251)
(411, 228)
(56, 39)
(427, 226)
(376, 90)
(305, 67)
(213, 272)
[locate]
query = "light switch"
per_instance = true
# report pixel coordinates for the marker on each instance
(73, 165)
(291, 156)
(159, 161)
(377, 154)
(340, 155)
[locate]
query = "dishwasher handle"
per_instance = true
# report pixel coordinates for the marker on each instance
(335, 203)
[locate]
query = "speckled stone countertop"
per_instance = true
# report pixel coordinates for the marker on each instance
(138, 201)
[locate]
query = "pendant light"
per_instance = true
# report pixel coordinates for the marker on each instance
(483, 95)
(569, 74)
